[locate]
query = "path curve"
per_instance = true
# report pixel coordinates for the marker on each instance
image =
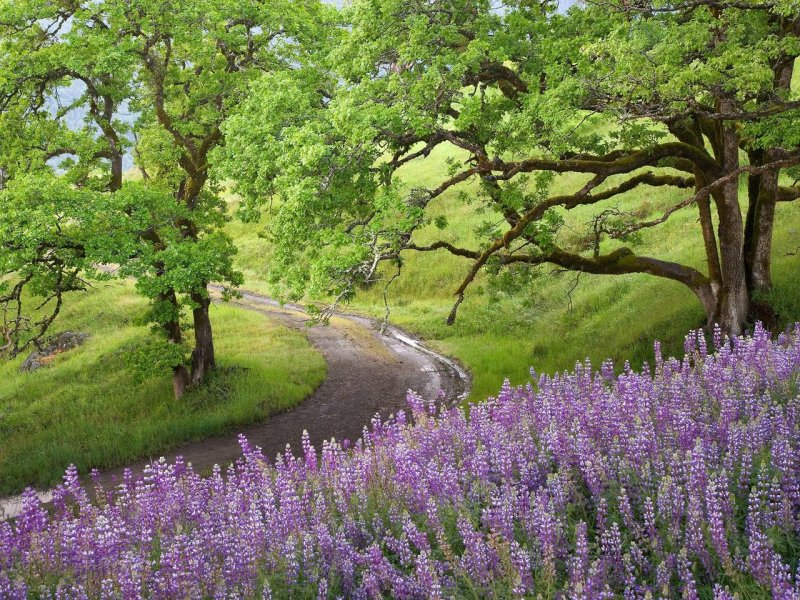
(369, 373)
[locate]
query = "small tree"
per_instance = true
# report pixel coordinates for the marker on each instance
(694, 95)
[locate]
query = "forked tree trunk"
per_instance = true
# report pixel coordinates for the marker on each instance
(203, 359)
(745, 259)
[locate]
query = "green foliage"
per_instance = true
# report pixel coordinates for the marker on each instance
(51, 234)
(157, 79)
(521, 318)
(154, 357)
(638, 95)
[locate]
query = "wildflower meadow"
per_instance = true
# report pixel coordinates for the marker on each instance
(679, 481)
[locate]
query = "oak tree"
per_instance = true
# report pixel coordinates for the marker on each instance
(611, 97)
(62, 84)
(150, 82)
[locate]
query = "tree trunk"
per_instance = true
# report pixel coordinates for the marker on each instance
(756, 158)
(763, 195)
(734, 299)
(180, 381)
(116, 171)
(180, 374)
(758, 247)
(708, 295)
(710, 246)
(759, 250)
(203, 359)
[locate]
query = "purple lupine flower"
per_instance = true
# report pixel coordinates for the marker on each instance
(715, 498)
(521, 564)
(12, 589)
(427, 578)
(585, 485)
(579, 565)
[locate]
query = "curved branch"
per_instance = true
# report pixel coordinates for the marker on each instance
(648, 178)
(442, 245)
(599, 165)
(788, 194)
(619, 262)
(625, 261)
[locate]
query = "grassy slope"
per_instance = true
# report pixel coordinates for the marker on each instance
(88, 409)
(501, 335)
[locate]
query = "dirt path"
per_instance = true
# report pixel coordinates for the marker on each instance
(368, 373)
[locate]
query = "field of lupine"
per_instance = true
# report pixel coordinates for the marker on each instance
(682, 481)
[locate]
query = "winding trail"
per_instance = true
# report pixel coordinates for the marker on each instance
(368, 374)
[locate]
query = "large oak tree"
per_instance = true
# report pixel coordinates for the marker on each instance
(618, 95)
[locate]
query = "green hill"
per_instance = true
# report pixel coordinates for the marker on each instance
(87, 408)
(553, 319)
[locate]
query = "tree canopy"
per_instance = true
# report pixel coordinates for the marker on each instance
(540, 110)
(151, 80)
(693, 95)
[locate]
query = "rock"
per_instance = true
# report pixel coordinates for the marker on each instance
(31, 363)
(66, 340)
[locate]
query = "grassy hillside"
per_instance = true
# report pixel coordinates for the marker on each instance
(89, 409)
(555, 319)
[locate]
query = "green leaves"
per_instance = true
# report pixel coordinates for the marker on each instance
(518, 101)
(155, 78)
(153, 357)
(49, 234)
(44, 213)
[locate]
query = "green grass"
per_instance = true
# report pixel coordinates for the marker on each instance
(551, 322)
(88, 409)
